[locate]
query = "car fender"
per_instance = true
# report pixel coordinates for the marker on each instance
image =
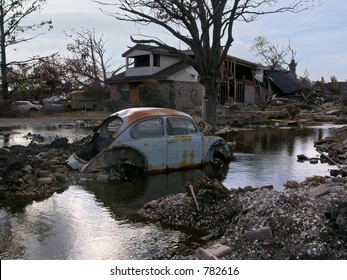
(117, 157)
(216, 147)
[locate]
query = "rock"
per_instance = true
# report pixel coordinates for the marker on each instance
(263, 233)
(318, 191)
(302, 157)
(291, 185)
(102, 177)
(213, 253)
(45, 180)
(203, 254)
(27, 168)
(341, 220)
(60, 142)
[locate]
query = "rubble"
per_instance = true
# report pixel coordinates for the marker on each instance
(35, 171)
(305, 222)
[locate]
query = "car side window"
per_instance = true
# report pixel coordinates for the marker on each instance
(151, 128)
(180, 126)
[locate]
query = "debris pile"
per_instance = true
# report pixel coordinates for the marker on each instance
(305, 221)
(35, 171)
(333, 149)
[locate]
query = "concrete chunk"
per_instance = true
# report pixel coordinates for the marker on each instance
(259, 234)
(45, 180)
(203, 254)
(318, 191)
(213, 253)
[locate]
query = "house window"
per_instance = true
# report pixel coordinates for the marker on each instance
(156, 60)
(138, 61)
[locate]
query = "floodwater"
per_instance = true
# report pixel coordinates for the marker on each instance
(99, 221)
(268, 156)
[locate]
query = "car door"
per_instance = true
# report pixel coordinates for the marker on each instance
(148, 137)
(184, 143)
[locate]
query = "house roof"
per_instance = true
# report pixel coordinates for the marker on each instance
(152, 49)
(244, 62)
(162, 75)
(285, 81)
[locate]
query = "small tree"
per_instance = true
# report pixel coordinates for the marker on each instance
(88, 66)
(13, 31)
(274, 56)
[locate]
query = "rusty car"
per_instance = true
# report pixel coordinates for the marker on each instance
(152, 140)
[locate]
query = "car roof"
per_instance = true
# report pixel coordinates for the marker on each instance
(131, 115)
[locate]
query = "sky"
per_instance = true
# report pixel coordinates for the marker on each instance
(319, 35)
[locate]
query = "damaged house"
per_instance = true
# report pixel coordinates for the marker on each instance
(241, 82)
(155, 77)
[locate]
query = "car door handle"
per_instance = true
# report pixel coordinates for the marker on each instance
(171, 141)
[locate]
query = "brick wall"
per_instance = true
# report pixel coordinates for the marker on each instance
(182, 95)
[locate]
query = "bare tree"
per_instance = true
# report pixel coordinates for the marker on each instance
(13, 30)
(205, 26)
(274, 56)
(88, 65)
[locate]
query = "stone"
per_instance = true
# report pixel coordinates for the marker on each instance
(340, 220)
(102, 177)
(45, 180)
(259, 234)
(203, 254)
(220, 250)
(318, 191)
(213, 253)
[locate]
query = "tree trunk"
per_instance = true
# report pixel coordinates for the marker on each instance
(210, 101)
(4, 81)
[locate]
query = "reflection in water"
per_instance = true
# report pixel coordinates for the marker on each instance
(17, 136)
(76, 225)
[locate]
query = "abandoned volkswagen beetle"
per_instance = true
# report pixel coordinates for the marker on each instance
(153, 140)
